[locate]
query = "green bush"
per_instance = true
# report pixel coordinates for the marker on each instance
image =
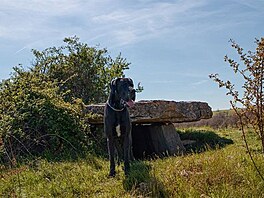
(34, 117)
(83, 72)
(41, 108)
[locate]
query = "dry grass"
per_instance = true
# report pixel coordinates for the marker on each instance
(224, 171)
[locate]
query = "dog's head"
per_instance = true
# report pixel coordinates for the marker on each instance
(123, 88)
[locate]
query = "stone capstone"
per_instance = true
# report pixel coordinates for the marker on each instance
(157, 111)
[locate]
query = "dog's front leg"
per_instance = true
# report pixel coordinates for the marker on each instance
(108, 129)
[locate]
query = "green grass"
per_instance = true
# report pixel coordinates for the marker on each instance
(218, 166)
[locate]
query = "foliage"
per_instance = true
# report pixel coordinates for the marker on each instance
(41, 108)
(34, 117)
(222, 172)
(83, 71)
(252, 101)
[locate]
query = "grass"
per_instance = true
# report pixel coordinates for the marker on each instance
(216, 166)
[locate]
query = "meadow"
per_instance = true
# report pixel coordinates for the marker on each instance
(216, 165)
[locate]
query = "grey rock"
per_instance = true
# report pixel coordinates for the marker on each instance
(157, 111)
(166, 140)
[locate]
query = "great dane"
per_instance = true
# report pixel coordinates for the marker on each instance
(117, 122)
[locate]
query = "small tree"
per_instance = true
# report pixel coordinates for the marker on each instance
(83, 71)
(34, 117)
(252, 101)
(41, 108)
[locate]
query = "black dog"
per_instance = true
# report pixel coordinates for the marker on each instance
(117, 119)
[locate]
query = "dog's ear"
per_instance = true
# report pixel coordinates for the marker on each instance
(130, 82)
(132, 90)
(113, 84)
(133, 94)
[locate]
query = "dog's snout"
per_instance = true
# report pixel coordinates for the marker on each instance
(131, 88)
(132, 94)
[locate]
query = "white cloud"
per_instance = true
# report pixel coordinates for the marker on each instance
(199, 82)
(50, 7)
(257, 5)
(110, 21)
(162, 81)
(31, 19)
(144, 22)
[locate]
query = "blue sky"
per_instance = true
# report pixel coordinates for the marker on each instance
(172, 45)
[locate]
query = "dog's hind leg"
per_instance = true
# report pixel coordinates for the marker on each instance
(126, 148)
(131, 155)
(111, 151)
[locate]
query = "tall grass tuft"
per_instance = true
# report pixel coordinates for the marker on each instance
(215, 171)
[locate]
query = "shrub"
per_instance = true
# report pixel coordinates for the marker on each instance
(41, 108)
(251, 68)
(34, 117)
(84, 72)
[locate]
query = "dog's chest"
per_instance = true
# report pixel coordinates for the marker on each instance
(119, 119)
(118, 130)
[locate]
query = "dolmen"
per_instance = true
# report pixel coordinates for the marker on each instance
(153, 132)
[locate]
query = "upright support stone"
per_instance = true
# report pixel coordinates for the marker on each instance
(166, 140)
(158, 140)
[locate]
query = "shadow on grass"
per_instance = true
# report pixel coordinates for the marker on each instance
(69, 154)
(67, 151)
(202, 140)
(141, 183)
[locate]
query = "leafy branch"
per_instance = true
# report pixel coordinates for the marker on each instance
(251, 101)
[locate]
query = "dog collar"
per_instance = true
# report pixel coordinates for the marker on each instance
(114, 108)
